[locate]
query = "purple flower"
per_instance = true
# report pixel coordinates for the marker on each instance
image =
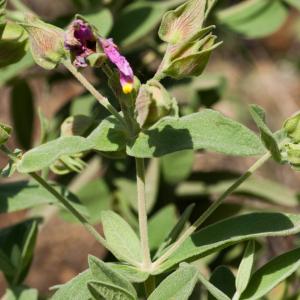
(81, 42)
(126, 74)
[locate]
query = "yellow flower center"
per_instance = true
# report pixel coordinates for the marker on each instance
(127, 88)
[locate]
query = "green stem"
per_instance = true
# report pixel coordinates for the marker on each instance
(101, 99)
(142, 212)
(210, 210)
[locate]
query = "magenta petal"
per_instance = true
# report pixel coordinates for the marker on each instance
(80, 41)
(125, 70)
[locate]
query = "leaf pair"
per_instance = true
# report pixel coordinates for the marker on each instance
(207, 129)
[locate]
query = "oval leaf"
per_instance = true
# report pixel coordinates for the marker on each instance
(121, 237)
(207, 129)
(103, 272)
(177, 286)
(46, 154)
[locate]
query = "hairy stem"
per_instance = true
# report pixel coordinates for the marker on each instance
(211, 209)
(142, 211)
(101, 99)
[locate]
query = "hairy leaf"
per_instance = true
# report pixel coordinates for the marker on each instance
(43, 156)
(121, 237)
(231, 231)
(177, 286)
(207, 129)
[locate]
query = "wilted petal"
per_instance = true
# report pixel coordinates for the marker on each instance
(81, 42)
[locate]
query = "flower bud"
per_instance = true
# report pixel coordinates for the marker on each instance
(46, 42)
(13, 43)
(153, 103)
(189, 45)
(293, 155)
(292, 127)
(182, 23)
(5, 132)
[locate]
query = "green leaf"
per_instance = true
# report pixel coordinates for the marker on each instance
(271, 274)
(177, 286)
(160, 225)
(176, 230)
(268, 138)
(22, 110)
(102, 290)
(207, 129)
(232, 231)
(177, 167)
(14, 70)
(21, 293)
(13, 44)
(109, 136)
(2, 9)
(254, 18)
(102, 20)
(75, 288)
(144, 16)
(16, 250)
(223, 279)
(103, 273)
(245, 268)
(133, 274)
(121, 237)
(293, 3)
(218, 294)
(44, 155)
(21, 195)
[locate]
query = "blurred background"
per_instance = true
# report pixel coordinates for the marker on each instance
(259, 62)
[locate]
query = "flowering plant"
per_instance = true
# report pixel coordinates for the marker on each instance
(145, 124)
